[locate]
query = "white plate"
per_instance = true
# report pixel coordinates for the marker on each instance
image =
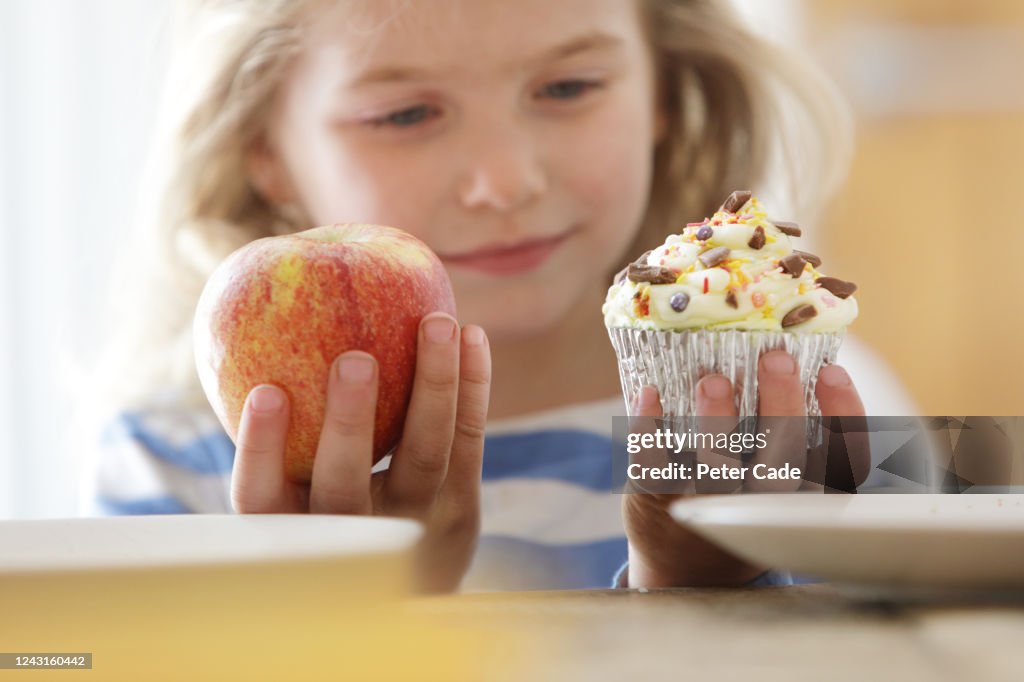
(169, 541)
(962, 542)
(205, 596)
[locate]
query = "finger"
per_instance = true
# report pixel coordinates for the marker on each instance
(647, 404)
(258, 481)
(847, 446)
(421, 461)
(344, 457)
(779, 391)
(716, 470)
(461, 487)
(647, 456)
(782, 418)
(450, 539)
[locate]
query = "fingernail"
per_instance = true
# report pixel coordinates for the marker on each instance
(473, 336)
(716, 387)
(647, 399)
(779, 363)
(355, 369)
(439, 329)
(834, 376)
(266, 399)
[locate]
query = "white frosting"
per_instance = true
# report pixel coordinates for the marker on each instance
(762, 291)
(675, 255)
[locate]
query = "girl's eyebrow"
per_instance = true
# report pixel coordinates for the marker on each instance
(585, 43)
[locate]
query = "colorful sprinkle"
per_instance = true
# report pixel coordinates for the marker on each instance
(679, 302)
(642, 301)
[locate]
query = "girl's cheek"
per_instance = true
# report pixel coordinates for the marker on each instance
(358, 184)
(607, 166)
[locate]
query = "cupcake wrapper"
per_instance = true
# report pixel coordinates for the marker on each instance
(674, 361)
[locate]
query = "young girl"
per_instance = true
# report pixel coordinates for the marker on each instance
(536, 147)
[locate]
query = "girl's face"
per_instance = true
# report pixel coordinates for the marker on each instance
(514, 138)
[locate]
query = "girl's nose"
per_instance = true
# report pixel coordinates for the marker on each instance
(504, 176)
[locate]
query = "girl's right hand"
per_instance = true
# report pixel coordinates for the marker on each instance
(664, 553)
(434, 476)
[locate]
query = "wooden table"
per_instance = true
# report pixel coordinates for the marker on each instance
(806, 632)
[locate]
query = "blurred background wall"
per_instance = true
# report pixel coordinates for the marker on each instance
(929, 224)
(78, 86)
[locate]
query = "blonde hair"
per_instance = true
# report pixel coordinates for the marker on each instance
(742, 114)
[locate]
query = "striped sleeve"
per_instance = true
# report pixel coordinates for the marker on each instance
(160, 461)
(549, 516)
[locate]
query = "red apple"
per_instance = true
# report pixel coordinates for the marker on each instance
(281, 309)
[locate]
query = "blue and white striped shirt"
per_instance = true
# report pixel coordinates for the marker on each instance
(549, 518)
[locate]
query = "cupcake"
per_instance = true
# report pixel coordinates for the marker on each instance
(715, 297)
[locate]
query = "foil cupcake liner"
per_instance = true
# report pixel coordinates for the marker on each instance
(674, 361)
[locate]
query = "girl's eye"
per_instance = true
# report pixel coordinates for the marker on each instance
(406, 118)
(568, 89)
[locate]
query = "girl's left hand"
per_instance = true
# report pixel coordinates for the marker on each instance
(663, 553)
(434, 476)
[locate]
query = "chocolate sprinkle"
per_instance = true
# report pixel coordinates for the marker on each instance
(792, 265)
(837, 287)
(730, 298)
(809, 257)
(713, 257)
(758, 240)
(650, 273)
(705, 233)
(792, 229)
(736, 201)
(679, 302)
(799, 315)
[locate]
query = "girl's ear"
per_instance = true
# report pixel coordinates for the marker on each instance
(266, 173)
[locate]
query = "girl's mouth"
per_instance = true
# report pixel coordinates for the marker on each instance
(509, 259)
